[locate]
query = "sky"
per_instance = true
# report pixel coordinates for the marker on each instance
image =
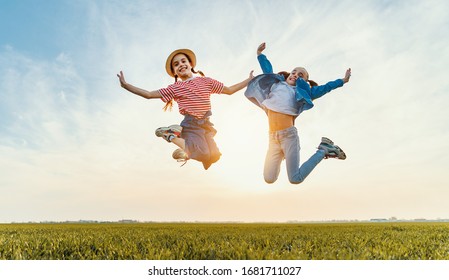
(75, 146)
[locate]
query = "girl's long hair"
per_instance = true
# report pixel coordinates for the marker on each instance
(286, 74)
(169, 104)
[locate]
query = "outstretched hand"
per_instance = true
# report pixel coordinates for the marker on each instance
(261, 48)
(347, 76)
(251, 75)
(121, 78)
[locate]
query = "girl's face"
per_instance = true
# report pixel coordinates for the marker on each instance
(181, 66)
(298, 72)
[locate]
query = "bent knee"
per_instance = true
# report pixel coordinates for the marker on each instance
(270, 180)
(296, 181)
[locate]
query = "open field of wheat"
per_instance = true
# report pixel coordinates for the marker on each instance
(193, 241)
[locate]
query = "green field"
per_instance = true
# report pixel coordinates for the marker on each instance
(192, 241)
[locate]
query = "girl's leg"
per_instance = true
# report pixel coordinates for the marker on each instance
(306, 168)
(296, 173)
(199, 142)
(180, 142)
(214, 152)
(273, 160)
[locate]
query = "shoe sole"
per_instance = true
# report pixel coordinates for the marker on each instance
(342, 154)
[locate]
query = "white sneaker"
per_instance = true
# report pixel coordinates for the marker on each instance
(331, 150)
(169, 133)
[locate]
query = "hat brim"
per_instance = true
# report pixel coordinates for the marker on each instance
(187, 52)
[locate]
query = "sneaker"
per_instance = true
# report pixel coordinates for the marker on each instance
(169, 133)
(180, 155)
(331, 150)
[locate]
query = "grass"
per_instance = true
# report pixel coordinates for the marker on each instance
(187, 241)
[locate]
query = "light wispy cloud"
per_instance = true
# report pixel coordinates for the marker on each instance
(42, 101)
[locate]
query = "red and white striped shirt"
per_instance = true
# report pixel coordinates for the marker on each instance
(193, 95)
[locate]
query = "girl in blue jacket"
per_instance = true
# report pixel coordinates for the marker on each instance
(284, 97)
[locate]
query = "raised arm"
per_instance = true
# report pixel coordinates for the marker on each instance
(234, 88)
(138, 91)
(318, 91)
(261, 48)
(347, 76)
(265, 64)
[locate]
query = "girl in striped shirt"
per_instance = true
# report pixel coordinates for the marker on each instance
(194, 136)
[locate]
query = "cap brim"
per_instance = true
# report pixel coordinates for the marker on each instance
(187, 52)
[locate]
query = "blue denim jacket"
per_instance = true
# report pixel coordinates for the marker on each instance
(259, 88)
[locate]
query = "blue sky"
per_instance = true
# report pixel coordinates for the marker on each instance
(74, 145)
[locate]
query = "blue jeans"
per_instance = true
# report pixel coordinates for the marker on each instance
(284, 144)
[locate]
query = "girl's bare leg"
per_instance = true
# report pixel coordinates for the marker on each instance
(181, 143)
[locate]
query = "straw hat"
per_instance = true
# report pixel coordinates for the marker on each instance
(187, 52)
